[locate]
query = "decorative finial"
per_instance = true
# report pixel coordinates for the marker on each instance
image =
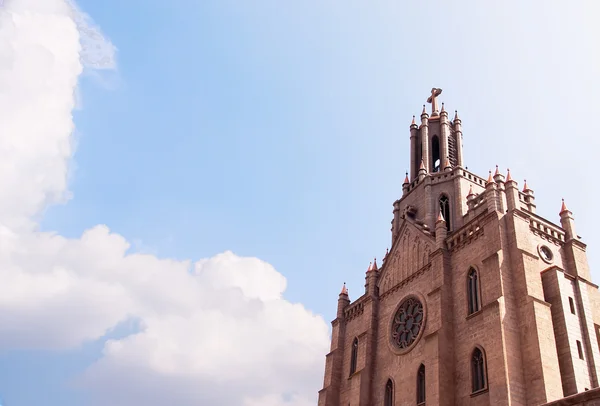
(447, 163)
(564, 207)
(470, 192)
(525, 187)
(413, 121)
(344, 290)
(387, 251)
(456, 115)
(440, 217)
(508, 177)
(374, 264)
(406, 181)
(497, 171)
(490, 179)
(424, 110)
(422, 167)
(443, 109)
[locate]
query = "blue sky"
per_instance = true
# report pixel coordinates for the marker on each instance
(280, 131)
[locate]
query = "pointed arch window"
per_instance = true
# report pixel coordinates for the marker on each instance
(421, 385)
(435, 153)
(445, 210)
(354, 356)
(388, 399)
(478, 369)
(473, 291)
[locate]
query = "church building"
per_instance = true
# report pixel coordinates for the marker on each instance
(479, 300)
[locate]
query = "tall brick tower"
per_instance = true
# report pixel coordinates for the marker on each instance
(479, 301)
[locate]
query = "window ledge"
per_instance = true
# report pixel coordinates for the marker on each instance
(479, 392)
(470, 316)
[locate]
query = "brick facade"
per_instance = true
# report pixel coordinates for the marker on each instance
(532, 313)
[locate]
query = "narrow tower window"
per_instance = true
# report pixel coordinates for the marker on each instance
(478, 370)
(389, 393)
(435, 153)
(572, 305)
(473, 291)
(421, 385)
(445, 209)
(580, 349)
(354, 356)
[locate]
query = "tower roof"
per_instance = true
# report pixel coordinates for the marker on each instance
(406, 181)
(447, 162)
(373, 265)
(497, 171)
(440, 217)
(563, 207)
(490, 179)
(525, 187)
(344, 290)
(508, 177)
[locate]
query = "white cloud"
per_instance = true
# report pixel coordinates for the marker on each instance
(217, 331)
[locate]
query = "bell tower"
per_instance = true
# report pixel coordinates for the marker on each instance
(437, 142)
(437, 178)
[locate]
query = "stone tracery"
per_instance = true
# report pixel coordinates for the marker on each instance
(408, 322)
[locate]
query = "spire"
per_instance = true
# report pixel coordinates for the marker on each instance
(406, 181)
(440, 217)
(374, 266)
(525, 187)
(508, 177)
(564, 207)
(443, 109)
(424, 113)
(456, 117)
(441, 232)
(497, 171)
(567, 222)
(344, 290)
(413, 121)
(422, 167)
(470, 192)
(490, 179)
(447, 163)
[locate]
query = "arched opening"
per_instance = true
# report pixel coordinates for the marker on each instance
(354, 356)
(473, 291)
(388, 399)
(421, 385)
(445, 209)
(478, 370)
(435, 153)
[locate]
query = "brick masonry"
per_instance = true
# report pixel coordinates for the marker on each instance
(538, 324)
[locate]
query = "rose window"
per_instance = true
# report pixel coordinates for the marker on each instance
(407, 324)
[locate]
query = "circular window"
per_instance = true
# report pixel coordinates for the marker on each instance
(545, 253)
(407, 323)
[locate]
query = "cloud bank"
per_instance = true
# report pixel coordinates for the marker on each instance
(217, 331)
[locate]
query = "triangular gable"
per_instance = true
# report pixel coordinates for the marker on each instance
(409, 253)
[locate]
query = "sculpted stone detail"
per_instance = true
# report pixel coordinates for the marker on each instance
(408, 322)
(410, 255)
